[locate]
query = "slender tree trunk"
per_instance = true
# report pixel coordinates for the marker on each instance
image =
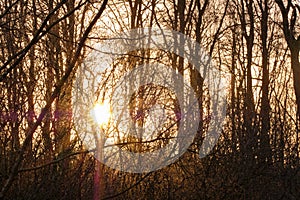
(289, 22)
(233, 86)
(265, 149)
(249, 117)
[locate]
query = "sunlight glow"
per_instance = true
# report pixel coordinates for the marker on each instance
(101, 113)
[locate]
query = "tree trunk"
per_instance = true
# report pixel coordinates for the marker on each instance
(265, 149)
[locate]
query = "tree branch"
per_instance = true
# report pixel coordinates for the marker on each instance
(54, 95)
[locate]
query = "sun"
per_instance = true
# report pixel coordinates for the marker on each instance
(101, 113)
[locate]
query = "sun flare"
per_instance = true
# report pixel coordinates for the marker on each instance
(101, 113)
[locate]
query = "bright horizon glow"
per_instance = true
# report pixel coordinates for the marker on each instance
(101, 113)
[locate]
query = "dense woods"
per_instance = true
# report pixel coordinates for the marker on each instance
(44, 44)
